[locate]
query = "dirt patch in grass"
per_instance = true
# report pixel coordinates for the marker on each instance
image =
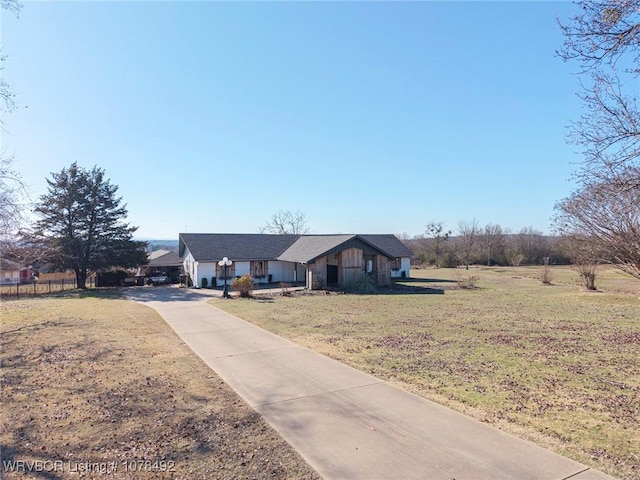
(101, 387)
(546, 363)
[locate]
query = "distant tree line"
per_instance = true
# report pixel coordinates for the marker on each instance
(472, 244)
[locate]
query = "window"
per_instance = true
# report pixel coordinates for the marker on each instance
(396, 263)
(259, 268)
(231, 271)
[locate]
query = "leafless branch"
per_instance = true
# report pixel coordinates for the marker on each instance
(286, 222)
(604, 33)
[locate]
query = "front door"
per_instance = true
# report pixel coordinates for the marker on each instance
(332, 274)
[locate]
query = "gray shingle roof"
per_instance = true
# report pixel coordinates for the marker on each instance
(157, 253)
(309, 247)
(235, 246)
(164, 258)
(389, 244)
(290, 248)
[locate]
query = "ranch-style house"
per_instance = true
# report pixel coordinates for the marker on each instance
(317, 261)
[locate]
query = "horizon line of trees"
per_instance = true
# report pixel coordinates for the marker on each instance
(492, 244)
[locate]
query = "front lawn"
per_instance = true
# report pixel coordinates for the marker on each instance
(552, 364)
(94, 386)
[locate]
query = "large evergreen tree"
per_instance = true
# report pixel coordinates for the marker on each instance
(82, 224)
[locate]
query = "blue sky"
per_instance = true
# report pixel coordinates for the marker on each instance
(370, 117)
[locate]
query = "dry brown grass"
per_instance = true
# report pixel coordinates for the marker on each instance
(102, 386)
(551, 363)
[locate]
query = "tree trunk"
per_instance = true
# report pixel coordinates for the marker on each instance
(81, 278)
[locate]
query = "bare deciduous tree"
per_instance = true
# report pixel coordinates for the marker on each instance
(404, 237)
(608, 133)
(604, 38)
(586, 257)
(491, 238)
(513, 249)
(545, 273)
(604, 220)
(436, 232)
(12, 192)
(286, 222)
(602, 33)
(468, 232)
(12, 189)
(7, 97)
(532, 245)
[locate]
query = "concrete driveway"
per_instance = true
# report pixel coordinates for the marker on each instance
(345, 423)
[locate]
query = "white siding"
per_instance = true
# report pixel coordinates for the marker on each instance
(206, 270)
(285, 271)
(243, 268)
(189, 266)
(276, 270)
(8, 277)
(279, 271)
(405, 266)
(198, 270)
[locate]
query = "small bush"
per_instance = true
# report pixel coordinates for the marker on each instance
(317, 282)
(285, 289)
(214, 282)
(545, 274)
(362, 284)
(205, 282)
(466, 282)
(587, 273)
(243, 286)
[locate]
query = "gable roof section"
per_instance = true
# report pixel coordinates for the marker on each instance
(212, 247)
(389, 244)
(163, 258)
(157, 253)
(310, 247)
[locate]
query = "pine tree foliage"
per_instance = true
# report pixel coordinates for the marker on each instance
(82, 224)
